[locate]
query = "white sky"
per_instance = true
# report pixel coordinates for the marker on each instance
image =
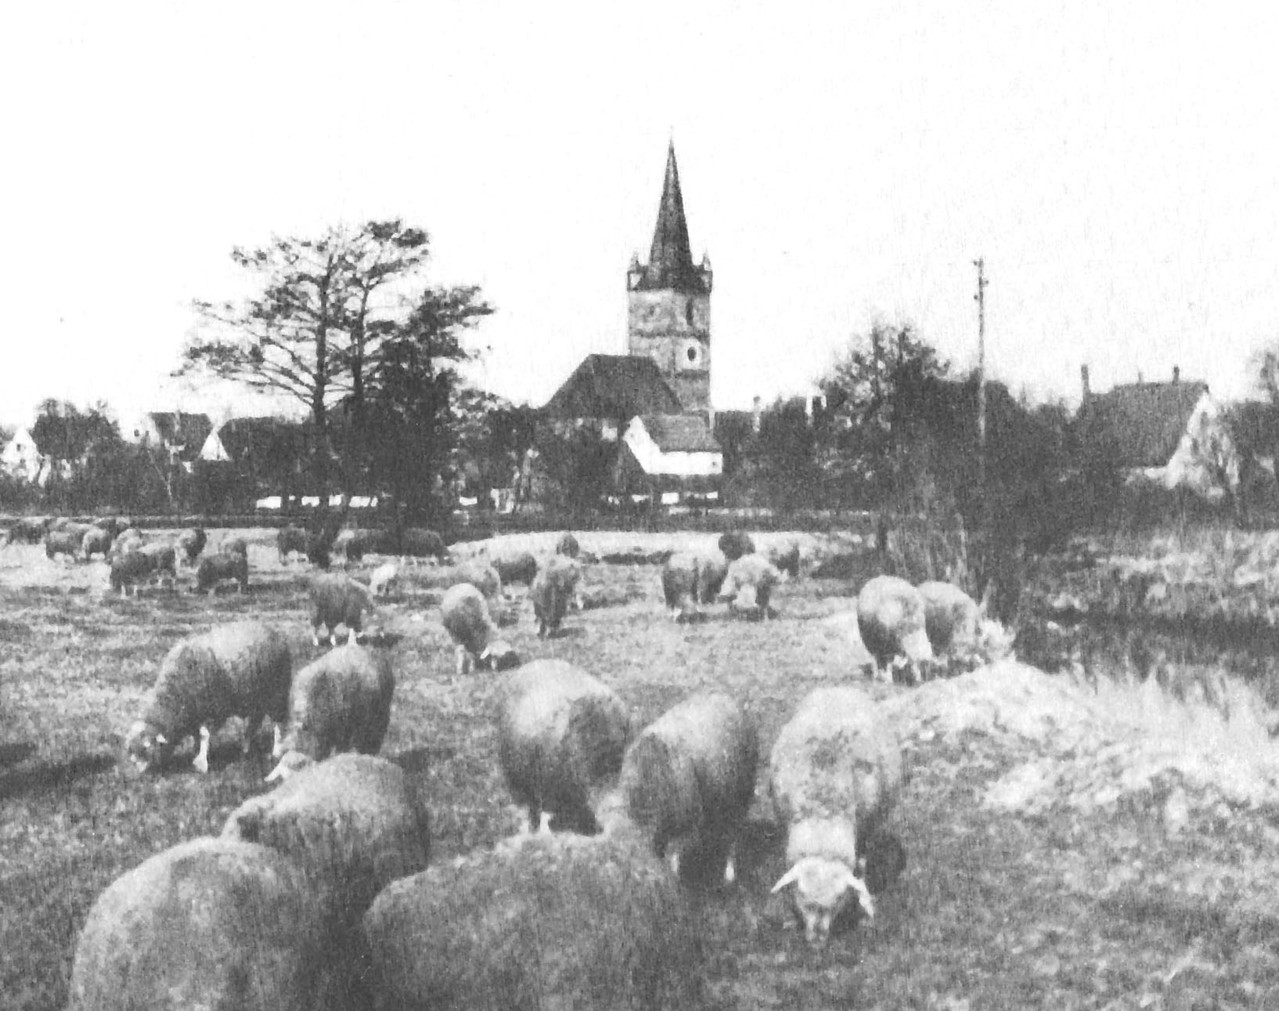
(1115, 164)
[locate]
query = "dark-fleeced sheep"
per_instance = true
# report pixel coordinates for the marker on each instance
(163, 561)
(561, 737)
(835, 774)
(240, 669)
(786, 557)
(213, 569)
(951, 617)
(416, 542)
(68, 543)
(687, 782)
(567, 545)
(518, 567)
(96, 542)
(736, 543)
(129, 569)
(28, 530)
(692, 578)
(290, 540)
(338, 599)
(891, 618)
(190, 543)
(748, 586)
(338, 702)
(552, 592)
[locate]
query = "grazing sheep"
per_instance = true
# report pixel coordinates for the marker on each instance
(190, 543)
(520, 567)
(113, 525)
(561, 737)
(786, 558)
(353, 821)
(234, 546)
(891, 619)
(749, 584)
(552, 590)
(126, 541)
(567, 545)
(736, 543)
(355, 542)
(241, 669)
(163, 561)
(692, 578)
(465, 617)
(66, 525)
(289, 540)
(96, 542)
(129, 569)
(384, 579)
(215, 568)
(951, 617)
(338, 702)
(544, 921)
(64, 542)
(477, 572)
(337, 599)
(835, 774)
(415, 542)
(209, 923)
(28, 529)
(687, 782)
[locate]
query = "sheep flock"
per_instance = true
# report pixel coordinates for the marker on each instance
(323, 889)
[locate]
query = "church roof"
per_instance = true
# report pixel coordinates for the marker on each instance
(1141, 422)
(680, 433)
(614, 386)
(670, 259)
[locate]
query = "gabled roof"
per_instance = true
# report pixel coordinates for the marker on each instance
(265, 441)
(614, 386)
(680, 433)
(1141, 422)
(670, 258)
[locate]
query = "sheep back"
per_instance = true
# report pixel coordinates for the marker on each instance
(340, 702)
(337, 599)
(479, 574)
(689, 777)
(64, 542)
(465, 616)
(552, 590)
(96, 542)
(128, 568)
(891, 619)
(692, 577)
(750, 581)
(736, 543)
(210, 923)
(353, 822)
(520, 567)
(950, 615)
(214, 568)
(163, 558)
(545, 921)
(416, 542)
(561, 737)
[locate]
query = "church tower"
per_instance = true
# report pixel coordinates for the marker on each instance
(669, 303)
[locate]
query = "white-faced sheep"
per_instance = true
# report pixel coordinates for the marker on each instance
(567, 545)
(210, 923)
(892, 620)
(289, 540)
(687, 782)
(548, 921)
(561, 737)
(241, 669)
(736, 543)
(337, 599)
(354, 822)
(465, 616)
(690, 578)
(748, 586)
(190, 543)
(64, 542)
(552, 591)
(338, 702)
(96, 542)
(518, 567)
(384, 579)
(835, 774)
(213, 569)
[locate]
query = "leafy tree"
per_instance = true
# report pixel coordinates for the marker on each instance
(494, 437)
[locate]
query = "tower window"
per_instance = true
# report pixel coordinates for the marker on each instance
(688, 311)
(692, 354)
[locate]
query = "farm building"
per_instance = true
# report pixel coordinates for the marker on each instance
(180, 434)
(20, 459)
(1171, 433)
(668, 455)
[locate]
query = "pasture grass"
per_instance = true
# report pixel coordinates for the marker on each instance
(996, 909)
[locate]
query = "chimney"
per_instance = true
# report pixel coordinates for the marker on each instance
(757, 411)
(1176, 373)
(1083, 375)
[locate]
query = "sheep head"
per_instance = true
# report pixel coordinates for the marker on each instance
(823, 889)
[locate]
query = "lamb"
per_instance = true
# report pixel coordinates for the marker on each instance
(338, 702)
(749, 584)
(520, 567)
(241, 669)
(835, 774)
(692, 578)
(215, 568)
(384, 579)
(354, 822)
(548, 920)
(209, 923)
(561, 737)
(96, 542)
(552, 590)
(290, 539)
(891, 619)
(465, 616)
(337, 599)
(736, 543)
(687, 782)
(64, 542)
(190, 543)
(567, 545)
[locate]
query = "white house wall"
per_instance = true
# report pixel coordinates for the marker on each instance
(677, 464)
(1204, 455)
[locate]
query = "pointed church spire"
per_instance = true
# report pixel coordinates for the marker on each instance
(670, 261)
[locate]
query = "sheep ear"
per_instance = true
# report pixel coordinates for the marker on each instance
(787, 879)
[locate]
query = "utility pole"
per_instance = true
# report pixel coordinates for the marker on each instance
(980, 298)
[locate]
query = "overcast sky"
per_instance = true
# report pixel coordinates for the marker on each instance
(1115, 164)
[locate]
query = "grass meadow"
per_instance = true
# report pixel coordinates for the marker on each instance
(1060, 909)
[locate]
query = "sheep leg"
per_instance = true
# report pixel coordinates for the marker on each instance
(201, 760)
(544, 823)
(315, 635)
